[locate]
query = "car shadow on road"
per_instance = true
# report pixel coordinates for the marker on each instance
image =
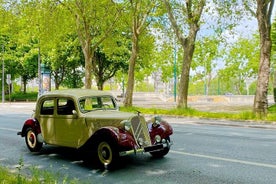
(66, 155)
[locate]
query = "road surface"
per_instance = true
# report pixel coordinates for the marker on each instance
(202, 153)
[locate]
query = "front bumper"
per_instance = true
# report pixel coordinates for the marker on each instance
(155, 147)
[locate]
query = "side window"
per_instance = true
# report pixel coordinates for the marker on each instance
(89, 103)
(65, 106)
(47, 107)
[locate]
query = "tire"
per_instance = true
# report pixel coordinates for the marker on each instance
(163, 152)
(106, 153)
(31, 141)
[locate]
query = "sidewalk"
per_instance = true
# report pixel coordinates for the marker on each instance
(220, 122)
(17, 107)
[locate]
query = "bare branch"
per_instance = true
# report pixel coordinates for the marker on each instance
(174, 24)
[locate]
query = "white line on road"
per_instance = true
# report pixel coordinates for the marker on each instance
(225, 159)
(9, 129)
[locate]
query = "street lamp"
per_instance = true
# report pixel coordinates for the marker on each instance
(174, 74)
(39, 73)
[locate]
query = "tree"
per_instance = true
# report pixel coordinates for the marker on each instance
(65, 60)
(241, 63)
(27, 65)
(263, 14)
(94, 21)
(139, 12)
(206, 52)
(8, 30)
(192, 12)
(106, 67)
(216, 17)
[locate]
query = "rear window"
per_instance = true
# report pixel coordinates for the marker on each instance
(47, 107)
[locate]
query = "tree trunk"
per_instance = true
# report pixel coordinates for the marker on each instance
(260, 101)
(24, 86)
(132, 61)
(100, 83)
(264, 11)
(56, 82)
(274, 87)
(86, 48)
(189, 46)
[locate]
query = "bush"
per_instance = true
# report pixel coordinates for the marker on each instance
(20, 97)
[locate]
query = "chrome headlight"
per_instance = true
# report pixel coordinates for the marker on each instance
(140, 141)
(126, 125)
(156, 121)
(157, 138)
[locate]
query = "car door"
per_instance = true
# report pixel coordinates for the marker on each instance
(46, 119)
(69, 128)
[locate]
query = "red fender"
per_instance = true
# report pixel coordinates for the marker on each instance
(33, 123)
(123, 138)
(164, 130)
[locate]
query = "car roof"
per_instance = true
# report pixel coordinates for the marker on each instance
(76, 93)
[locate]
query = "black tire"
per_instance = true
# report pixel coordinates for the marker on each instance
(163, 152)
(105, 153)
(31, 141)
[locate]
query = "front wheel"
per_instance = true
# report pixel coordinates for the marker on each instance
(163, 152)
(106, 154)
(31, 141)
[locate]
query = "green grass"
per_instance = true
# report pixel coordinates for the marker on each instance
(189, 112)
(36, 176)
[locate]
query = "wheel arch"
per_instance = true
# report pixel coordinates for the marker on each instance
(31, 123)
(110, 132)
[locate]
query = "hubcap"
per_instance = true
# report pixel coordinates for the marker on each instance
(31, 139)
(104, 153)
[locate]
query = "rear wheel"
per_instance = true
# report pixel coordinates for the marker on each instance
(163, 152)
(31, 140)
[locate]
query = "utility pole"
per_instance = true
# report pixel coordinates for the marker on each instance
(3, 76)
(39, 73)
(174, 70)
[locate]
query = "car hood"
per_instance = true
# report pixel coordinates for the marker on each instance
(107, 117)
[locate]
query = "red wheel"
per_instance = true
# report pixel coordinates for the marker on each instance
(31, 141)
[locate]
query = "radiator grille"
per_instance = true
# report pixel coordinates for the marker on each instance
(140, 131)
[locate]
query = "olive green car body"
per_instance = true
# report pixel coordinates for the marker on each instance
(78, 118)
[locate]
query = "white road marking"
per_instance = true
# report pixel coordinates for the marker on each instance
(9, 129)
(225, 159)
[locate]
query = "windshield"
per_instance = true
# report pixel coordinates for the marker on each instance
(97, 103)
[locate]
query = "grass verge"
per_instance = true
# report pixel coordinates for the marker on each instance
(189, 112)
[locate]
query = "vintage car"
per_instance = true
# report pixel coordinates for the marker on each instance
(90, 120)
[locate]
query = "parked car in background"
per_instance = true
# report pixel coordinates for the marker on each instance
(90, 120)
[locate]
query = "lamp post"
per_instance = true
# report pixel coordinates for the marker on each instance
(3, 76)
(174, 75)
(39, 73)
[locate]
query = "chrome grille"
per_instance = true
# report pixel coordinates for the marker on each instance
(140, 131)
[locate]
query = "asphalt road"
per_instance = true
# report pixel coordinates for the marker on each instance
(202, 153)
